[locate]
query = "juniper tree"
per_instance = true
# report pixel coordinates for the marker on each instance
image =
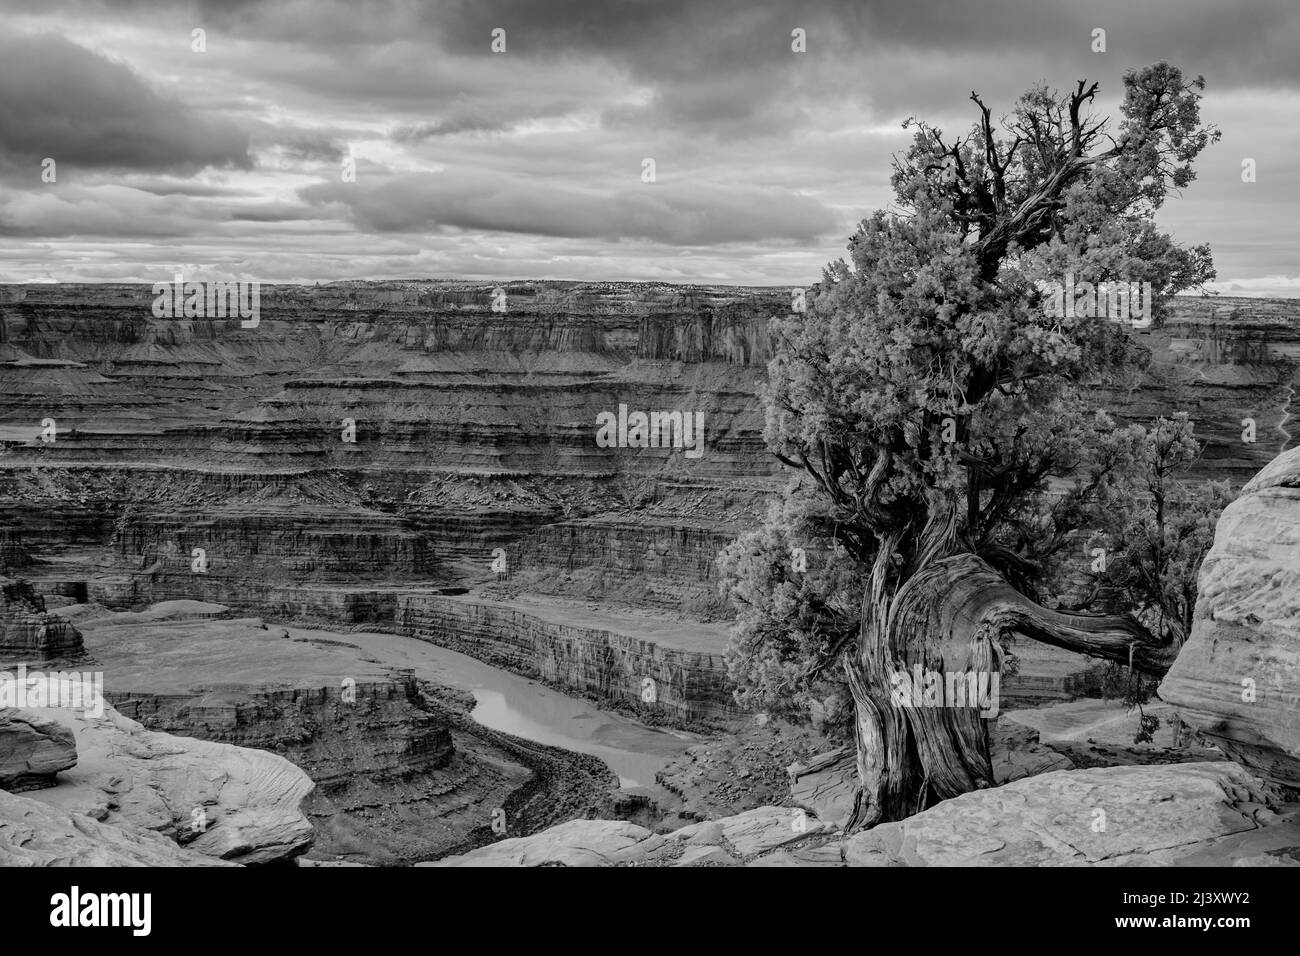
(947, 465)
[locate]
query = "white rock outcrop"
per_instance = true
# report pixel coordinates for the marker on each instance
(33, 833)
(1237, 679)
(231, 803)
(1110, 816)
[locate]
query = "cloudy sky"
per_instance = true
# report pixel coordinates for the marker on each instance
(528, 163)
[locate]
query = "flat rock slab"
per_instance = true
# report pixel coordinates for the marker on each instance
(181, 610)
(229, 802)
(1276, 844)
(33, 748)
(706, 856)
(1111, 816)
(140, 653)
(1234, 680)
(33, 833)
(762, 829)
(576, 843)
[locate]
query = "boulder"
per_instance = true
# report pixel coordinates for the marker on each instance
(1237, 679)
(36, 834)
(229, 802)
(33, 748)
(1108, 816)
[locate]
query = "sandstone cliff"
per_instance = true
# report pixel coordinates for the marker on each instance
(1237, 679)
(686, 687)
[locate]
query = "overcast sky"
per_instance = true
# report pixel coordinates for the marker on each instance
(528, 164)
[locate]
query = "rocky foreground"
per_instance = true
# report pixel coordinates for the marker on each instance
(120, 795)
(1214, 814)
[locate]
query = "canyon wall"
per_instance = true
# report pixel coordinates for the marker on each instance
(657, 682)
(369, 450)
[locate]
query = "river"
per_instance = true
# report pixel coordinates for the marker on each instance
(527, 708)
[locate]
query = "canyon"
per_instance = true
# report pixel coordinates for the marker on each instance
(232, 522)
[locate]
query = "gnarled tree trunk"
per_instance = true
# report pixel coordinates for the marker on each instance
(952, 617)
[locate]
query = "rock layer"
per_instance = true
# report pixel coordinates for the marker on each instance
(687, 687)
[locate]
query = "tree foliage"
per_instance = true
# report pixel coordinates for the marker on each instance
(929, 407)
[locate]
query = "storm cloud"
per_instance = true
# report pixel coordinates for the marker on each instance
(683, 214)
(529, 162)
(86, 110)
